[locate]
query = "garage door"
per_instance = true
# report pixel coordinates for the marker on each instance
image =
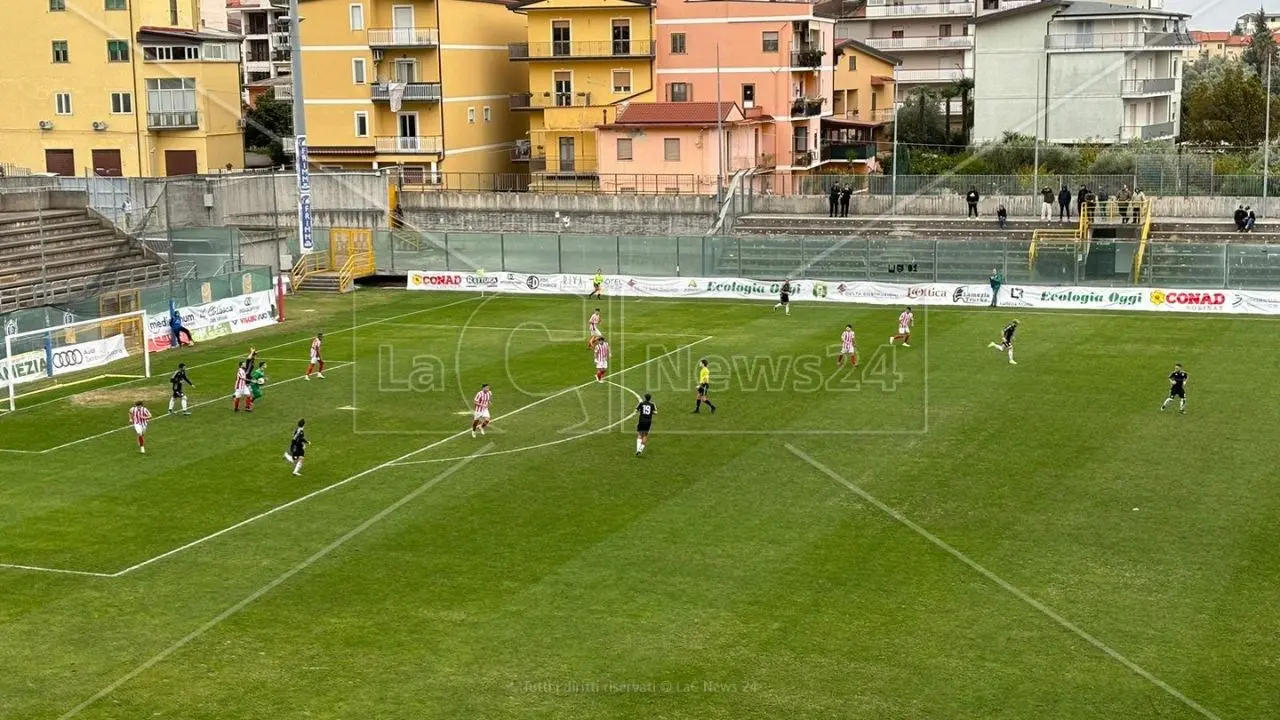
(107, 163)
(180, 162)
(60, 162)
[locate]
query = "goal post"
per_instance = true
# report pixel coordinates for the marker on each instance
(38, 361)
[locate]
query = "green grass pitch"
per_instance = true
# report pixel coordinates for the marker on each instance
(936, 534)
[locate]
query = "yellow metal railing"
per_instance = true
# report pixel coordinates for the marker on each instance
(1144, 215)
(357, 265)
(309, 264)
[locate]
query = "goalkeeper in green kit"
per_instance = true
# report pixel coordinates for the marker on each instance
(258, 380)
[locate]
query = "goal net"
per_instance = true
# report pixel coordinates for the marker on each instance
(37, 362)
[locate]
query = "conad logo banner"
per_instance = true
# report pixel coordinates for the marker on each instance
(873, 293)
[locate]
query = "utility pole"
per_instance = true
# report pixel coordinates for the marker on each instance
(1266, 144)
(893, 203)
(301, 157)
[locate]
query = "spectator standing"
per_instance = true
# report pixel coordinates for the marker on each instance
(1046, 203)
(1239, 216)
(1081, 198)
(1002, 215)
(1122, 200)
(971, 197)
(833, 199)
(845, 195)
(997, 280)
(1064, 203)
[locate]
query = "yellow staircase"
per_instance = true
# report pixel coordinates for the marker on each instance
(1054, 239)
(349, 257)
(1144, 217)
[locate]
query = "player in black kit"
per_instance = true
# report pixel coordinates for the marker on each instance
(645, 411)
(1177, 389)
(784, 297)
(297, 448)
(1006, 341)
(177, 380)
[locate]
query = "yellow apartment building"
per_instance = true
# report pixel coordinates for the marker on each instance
(862, 108)
(119, 87)
(584, 59)
(419, 85)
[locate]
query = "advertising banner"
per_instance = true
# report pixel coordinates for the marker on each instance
(871, 293)
(66, 359)
(216, 319)
(26, 366)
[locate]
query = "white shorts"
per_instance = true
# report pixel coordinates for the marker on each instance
(242, 392)
(847, 350)
(602, 364)
(595, 332)
(482, 415)
(315, 359)
(903, 330)
(140, 428)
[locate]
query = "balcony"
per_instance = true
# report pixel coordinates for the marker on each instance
(415, 37)
(413, 92)
(430, 145)
(892, 9)
(1153, 131)
(949, 42)
(566, 167)
(801, 158)
(521, 152)
(848, 152)
(183, 120)
(1068, 42)
(543, 100)
(281, 55)
(883, 115)
(560, 50)
(807, 107)
(1149, 86)
(930, 75)
(807, 57)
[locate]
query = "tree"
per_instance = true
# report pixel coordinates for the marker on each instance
(1226, 107)
(1262, 46)
(266, 124)
(947, 93)
(964, 88)
(920, 121)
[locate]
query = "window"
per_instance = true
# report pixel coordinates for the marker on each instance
(362, 124)
(168, 99)
(121, 103)
(562, 83)
(622, 81)
(621, 35)
(853, 61)
(749, 95)
(356, 12)
(117, 5)
(117, 51)
(769, 41)
(896, 33)
(357, 71)
(170, 53)
(561, 45)
(61, 53)
(671, 149)
(624, 148)
(679, 92)
(220, 51)
(62, 103)
(944, 30)
(488, 113)
(677, 44)
(471, 116)
(57, 5)
(990, 4)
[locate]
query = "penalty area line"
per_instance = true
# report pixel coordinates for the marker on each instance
(56, 571)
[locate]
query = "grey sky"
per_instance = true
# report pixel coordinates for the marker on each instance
(1211, 15)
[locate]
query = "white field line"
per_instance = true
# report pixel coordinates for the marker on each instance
(254, 596)
(224, 398)
(538, 328)
(530, 448)
(274, 347)
(36, 568)
(383, 466)
(1004, 584)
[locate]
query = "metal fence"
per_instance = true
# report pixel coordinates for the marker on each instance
(1184, 265)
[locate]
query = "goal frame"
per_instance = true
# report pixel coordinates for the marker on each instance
(12, 387)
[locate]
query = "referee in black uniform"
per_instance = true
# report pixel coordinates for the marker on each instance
(1177, 389)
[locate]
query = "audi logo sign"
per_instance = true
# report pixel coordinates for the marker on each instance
(67, 359)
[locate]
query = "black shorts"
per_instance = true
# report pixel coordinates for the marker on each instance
(296, 451)
(1178, 392)
(177, 392)
(786, 298)
(643, 428)
(1007, 342)
(702, 389)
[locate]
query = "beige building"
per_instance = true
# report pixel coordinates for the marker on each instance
(1216, 44)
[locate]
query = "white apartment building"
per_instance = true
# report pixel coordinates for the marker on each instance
(265, 55)
(1073, 72)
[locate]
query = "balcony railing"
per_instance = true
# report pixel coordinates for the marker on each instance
(882, 115)
(281, 55)
(1149, 86)
(413, 92)
(1153, 131)
(538, 101)
(404, 37)
(930, 75)
(892, 9)
(802, 158)
(807, 57)
(963, 42)
(521, 152)
(807, 107)
(560, 49)
(429, 145)
(1117, 41)
(848, 151)
(563, 166)
(173, 120)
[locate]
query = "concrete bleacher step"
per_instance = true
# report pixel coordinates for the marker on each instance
(57, 242)
(65, 225)
(321, 282)
(103, 249)
(80, 271)
(70, 262)
(20, 220)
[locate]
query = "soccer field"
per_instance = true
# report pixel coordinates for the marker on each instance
(935, 534)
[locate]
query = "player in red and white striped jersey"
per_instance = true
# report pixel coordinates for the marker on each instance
(602, 359)
(242, 390)
(848, 347)
(317, 362)
(138, 417)
(593, 328)
(905, 321)
(480, 420)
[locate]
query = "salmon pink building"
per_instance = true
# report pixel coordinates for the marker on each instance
(773, 59)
